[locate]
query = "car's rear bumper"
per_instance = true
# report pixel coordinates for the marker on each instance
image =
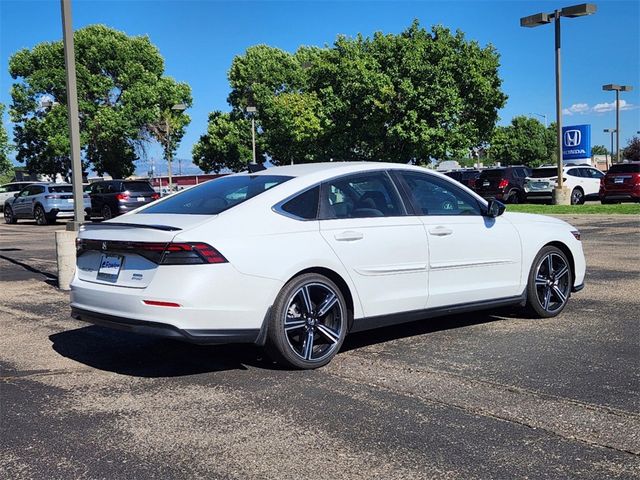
(633, 196)
(201, 337)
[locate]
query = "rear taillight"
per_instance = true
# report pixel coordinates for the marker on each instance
(161, 253)
(155, 196)
(503, 183)
(124, 196)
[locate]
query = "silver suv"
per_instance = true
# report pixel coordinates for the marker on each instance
(44, 202)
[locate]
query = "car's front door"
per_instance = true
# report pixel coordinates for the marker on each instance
(472, 258)
(22, 204)
(383, 249)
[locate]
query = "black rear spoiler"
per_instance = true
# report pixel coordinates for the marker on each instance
(166, 228)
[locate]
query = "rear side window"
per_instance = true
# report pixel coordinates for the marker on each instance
(304, 205)
(61, 189)
(545, 172)
(216, 196)
(138, 187)
(625, 168)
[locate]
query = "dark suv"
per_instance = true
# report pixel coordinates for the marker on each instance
(466, 177)
(114, 197)
(505, 184)
(621, 183)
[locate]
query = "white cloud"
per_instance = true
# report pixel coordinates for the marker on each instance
(584, 108)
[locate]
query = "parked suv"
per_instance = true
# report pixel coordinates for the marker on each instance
(582, 180)
(622, 182)
(505, 184)
(44, 202)
(466, 177)
(8, 189)
(114, 197)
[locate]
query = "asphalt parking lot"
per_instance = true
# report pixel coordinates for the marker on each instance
(484, 395)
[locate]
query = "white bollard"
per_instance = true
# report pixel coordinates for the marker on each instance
(66, 256)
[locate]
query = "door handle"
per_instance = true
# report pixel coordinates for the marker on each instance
(440, 231)
(348, 236)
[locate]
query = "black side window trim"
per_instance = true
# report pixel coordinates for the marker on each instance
(278, 206)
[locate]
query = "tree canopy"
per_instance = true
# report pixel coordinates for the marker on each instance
(5, 163)
(124, 99)
(632, 150)
(409, 97)
(525, 141)
(599, 150)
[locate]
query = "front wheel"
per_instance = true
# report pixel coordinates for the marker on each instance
(308, 322)
(550, 281)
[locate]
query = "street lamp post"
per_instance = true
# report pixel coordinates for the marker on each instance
(541, 115)
(252, 111)
(611, 131)
(178, 107)
(561, 194)
(617, 89)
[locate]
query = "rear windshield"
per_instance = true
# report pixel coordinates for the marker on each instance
(470, 174)
(215, 196)
(625, 168)
(138, 186)
(497, 173)
(61, 189)
(545, 172)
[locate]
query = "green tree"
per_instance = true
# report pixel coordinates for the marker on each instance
(632, 150)
(6, 167)
(599, 150)
(525, 141)
(416, 96)
(122, 96)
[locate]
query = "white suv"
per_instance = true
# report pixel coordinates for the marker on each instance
(582, 180)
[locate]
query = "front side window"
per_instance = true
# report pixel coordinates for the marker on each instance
(361, 196)
(435, 196)
(216, 196)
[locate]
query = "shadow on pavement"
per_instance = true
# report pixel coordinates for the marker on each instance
(144, 356)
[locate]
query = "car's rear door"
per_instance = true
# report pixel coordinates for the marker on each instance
(472, 258)
(384, 250)
(591, 178)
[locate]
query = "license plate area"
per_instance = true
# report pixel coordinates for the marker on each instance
(109, 267)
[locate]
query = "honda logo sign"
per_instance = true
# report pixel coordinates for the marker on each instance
(576, 142)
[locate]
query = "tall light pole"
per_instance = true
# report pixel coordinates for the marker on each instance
(611, 131)
(74, 119)
(178, 107)
(561, 195)
(251, 110)
(617, 89)
(542, 115)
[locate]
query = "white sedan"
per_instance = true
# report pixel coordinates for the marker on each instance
(296, 257)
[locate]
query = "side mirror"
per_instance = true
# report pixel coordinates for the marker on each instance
(15, 195)
(495, 208)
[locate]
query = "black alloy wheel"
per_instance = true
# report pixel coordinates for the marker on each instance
(308, 323)
(8, 216)
(550, 282)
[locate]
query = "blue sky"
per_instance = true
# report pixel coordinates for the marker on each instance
(199, 39)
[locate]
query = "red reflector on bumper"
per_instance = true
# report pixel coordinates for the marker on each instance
(157, 303)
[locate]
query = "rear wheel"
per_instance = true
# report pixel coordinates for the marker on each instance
(550, 281)
(40, 216)
(9, 218)
(577, 196)
(106, 212)
(308, 323)
(515, 196)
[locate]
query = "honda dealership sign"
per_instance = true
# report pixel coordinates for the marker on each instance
(576, 142)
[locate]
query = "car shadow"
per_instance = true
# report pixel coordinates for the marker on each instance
(137, 355)
(426, 326)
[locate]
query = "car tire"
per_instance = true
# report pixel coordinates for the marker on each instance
(514, 196)
(9, 218)
(40, 216)
(550, 282)
(308, 322)
(107, 214)
(577, 196)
